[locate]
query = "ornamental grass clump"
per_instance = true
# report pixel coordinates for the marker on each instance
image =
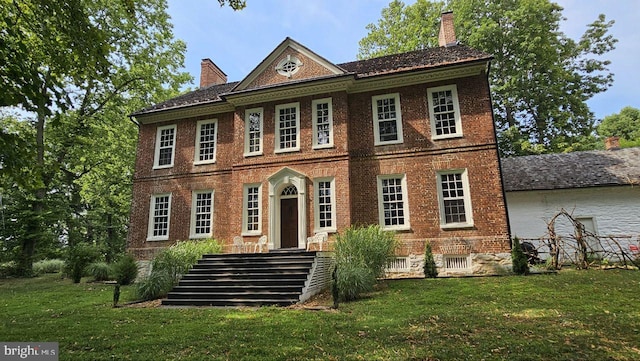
(362, 254)
(48, 266)
(100, 271)
(171, 264)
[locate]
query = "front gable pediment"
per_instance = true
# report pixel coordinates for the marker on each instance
(288, 62)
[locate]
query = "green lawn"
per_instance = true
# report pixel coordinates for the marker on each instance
(575, 315)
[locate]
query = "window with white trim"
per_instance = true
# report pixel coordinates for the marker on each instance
(287, 127)
(322, 123)
(202, 214)
(206, 139)
(444, 112)
(165, 146)
(387, 119)
(454, 199)
(253, 131)
(159, 217)
(251, 204)
(393, 204)
(324, 205)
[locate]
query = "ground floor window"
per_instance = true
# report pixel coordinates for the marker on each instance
(159, 214)
(393, 206)
(251, 209)
(201, 214)
(455, 203)
(324, 205)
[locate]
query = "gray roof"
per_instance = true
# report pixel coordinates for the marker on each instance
(572, 170)
(411, 61)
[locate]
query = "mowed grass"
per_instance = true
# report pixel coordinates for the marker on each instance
(574, 315)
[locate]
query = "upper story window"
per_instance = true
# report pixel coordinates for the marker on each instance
(206, 133)
(201, 214)
(324, 205)
(393, 204)
(387, 119)
(444, 112)
(253, 132)
(454, 199)
(288, 66)
(159, 217)
(322, 123)
(165, 146)
(251, 213)
(287, 127)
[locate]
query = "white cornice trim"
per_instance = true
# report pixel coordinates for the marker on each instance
(416, 77)
(289, 91)
(185, 112)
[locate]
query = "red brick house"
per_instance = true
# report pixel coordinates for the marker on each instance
(302, 145)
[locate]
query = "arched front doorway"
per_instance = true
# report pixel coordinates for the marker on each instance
(287, 209)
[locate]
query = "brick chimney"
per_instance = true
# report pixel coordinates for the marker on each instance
(612, 143)
(447, 36)
(210, 74)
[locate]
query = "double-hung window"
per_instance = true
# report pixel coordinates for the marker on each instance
(324, 205)
(202, 214)
(322, 123)
(251, 212)
(393, 204)
(159, 217)
(206, 139)
(444, 112)
(165, 147)
(253, 132)
(287, 127)
(387, 119)
(454, 199)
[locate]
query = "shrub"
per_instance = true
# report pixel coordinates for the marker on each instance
(48, 266)
(157, 285)
(518, 258)
(125, 270)
(100, 271)
(8, 269)
(430, 269)
(78, 258)
(169, 265)
(362, 254)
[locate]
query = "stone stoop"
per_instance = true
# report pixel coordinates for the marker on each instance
(248, 279)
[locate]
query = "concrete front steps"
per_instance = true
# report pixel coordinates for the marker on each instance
(251, 279)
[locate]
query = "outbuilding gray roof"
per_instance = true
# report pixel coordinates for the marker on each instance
(572, 170)
(410, 61)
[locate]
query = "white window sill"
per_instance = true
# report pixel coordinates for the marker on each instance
(202, 162)
(246, 155)
(456, 225)
(163, 166)
(406, 227)
(448, 136)
(400, 141)
(323, 146)
(200, 236)
(328, 230)
(251, 234)
(156, 239)
(288, 150)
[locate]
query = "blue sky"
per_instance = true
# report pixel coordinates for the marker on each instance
(238, 41)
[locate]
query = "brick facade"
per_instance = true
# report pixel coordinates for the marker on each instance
(354, 162)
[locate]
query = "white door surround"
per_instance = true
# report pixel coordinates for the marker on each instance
(277, 183)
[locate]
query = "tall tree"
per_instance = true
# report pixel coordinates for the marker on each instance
(72, 62)
(540, 78)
